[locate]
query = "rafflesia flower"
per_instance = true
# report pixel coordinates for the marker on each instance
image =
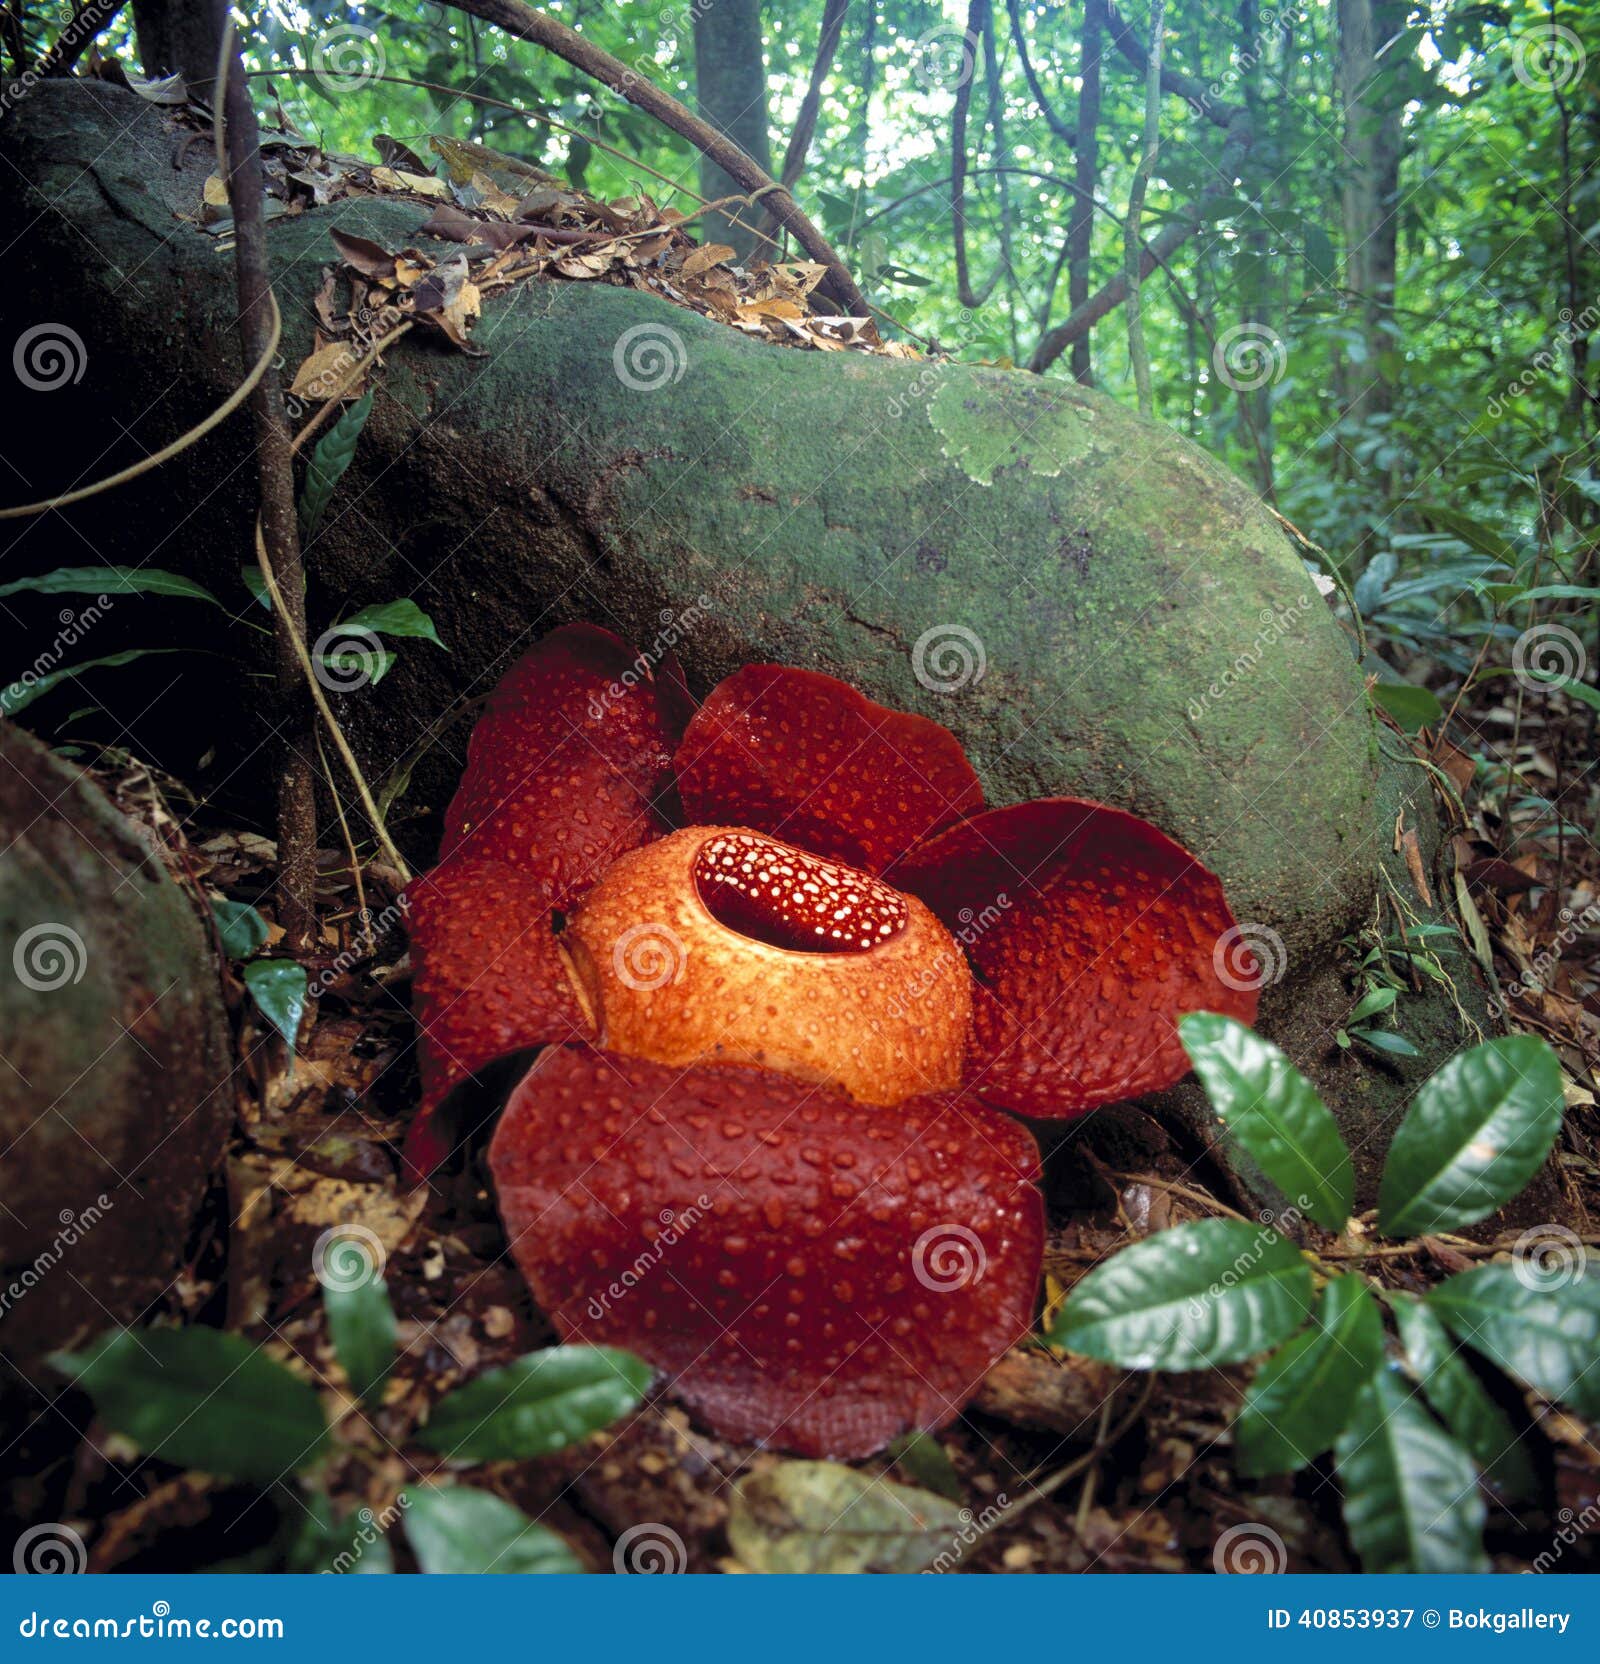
(786, 973)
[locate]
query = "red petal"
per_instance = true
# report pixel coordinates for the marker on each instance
(1091, 933)
(812, 761)
(569, 764)
(809, 1276)
(487, 980)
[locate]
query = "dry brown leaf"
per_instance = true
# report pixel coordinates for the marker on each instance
(320, 375)
(703, 259)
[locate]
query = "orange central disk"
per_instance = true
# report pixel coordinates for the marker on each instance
(719, 944)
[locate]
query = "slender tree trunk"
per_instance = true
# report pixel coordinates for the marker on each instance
(730, 78)
(1257, 403)
(1086, 176)
(1370, 188)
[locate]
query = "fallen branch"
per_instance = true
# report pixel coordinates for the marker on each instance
(526, 23)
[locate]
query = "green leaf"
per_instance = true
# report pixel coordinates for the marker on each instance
(1373, 1001)
(1581, 691)
(1386, 1040)
(1266, 1107)
(395, 618)
(203, 1399)
(1545, 1333)
(542, 1402)
(278, 986)
(1459, 1398)
(355, 1544)
(110, 580)
(353, 667)
(240, 927)
(1475, 1134)
(920, 1456)
(22, 692)
(1411, 1499)
(1303, 1395)
(1412, 707)
(825, 1517)
(361, 1322)
(1485, 539)
(1320, 258)
(332, 456)
(1215, 1292)
(454, 1529)
(256, 584)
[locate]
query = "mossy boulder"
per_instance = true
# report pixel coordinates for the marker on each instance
(114, 1059)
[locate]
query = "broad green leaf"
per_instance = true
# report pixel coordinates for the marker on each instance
(1372, 1002)
(1269, 1109)
(361, 1322)
(333, 454)
(241, 929)
(542, 1402)
(1411, 1498)
(278, 986)
(1485, 539)
(1215, 1292)
(1559, 592)
(920, 1456)
(1412, 707)
(452, 1528)
(1460, 1400)
(825, 1517)
(1303, 1395)
(110, 580)
(1544, 1333)
(1570, 685)
(1475, 1134)
(22, 692)
(395, 618)
(257, 585)
(1386, 1040)
(203, 1399)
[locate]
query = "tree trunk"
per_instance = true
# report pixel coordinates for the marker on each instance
(179, 38)
(730, 78)
(1372, 110)
(1086, 176)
